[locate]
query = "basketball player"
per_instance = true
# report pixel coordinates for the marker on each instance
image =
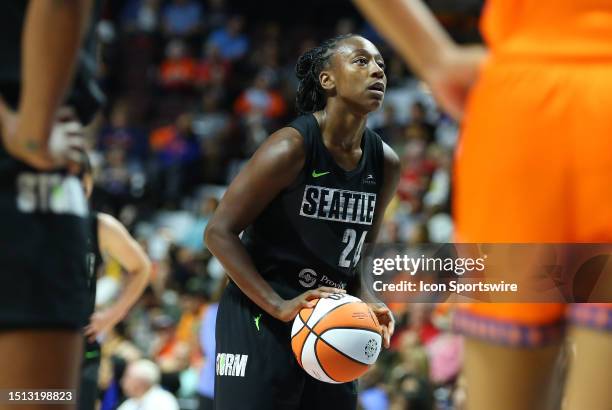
(533, 165)
(308, 200)
(42, 208)
(107, 236)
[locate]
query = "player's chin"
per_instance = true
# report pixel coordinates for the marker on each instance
(373, 104)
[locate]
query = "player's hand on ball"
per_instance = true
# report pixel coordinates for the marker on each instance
(386, 320)
(288, 309)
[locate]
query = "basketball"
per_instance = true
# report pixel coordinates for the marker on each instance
(337, 340)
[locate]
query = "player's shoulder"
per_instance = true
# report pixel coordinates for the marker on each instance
(390, 156)
(391, 161)
(109, 228)
(284, 147)
(107, 220)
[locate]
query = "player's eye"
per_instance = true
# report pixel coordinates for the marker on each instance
(361, 61)
(382, 65)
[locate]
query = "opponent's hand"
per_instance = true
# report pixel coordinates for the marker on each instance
(451, 83)
(101, 323)
(288, 309)
(386, 320)
(61, 148)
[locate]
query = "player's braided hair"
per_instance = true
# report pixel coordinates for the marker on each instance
(310, 95)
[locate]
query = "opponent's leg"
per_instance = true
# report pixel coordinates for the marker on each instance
(507, 378)
(590, 352)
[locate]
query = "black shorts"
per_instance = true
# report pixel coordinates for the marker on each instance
(256, 368)
(43, 275)
(88, 385)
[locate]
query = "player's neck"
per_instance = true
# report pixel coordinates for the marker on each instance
(340, 127)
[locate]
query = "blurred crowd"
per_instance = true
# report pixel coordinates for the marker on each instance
(193, 88)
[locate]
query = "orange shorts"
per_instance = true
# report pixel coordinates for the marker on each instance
(534, 165)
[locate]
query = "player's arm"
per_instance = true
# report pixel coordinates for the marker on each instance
(51, 38)
(412, 30)
(274, 166)
(415, 33)
(391, 172)
(117, 242)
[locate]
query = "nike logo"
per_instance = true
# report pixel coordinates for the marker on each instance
(92, 354)
(316, 174)
(257, 318)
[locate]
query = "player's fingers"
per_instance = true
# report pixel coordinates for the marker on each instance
(379, 309)
(391, 325)
(330, 289)
(309, 303)
(385, 335)
(317, 294)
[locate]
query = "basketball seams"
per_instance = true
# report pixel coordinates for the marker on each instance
(317, 336)
(327, 313)
(334, 348)
(350, 328)
(310, 346)
(303, 325)
(317, 357)
(330, 316)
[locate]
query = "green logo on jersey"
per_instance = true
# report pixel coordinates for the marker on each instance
(256, 319)
(92, 354)
(316, 174)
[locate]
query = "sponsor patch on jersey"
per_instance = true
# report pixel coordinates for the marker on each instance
(229, 364)
(338, 205)
(307, 278)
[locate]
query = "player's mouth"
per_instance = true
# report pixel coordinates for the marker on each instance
(378, 88)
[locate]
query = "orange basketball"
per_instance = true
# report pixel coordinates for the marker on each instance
(337, 340)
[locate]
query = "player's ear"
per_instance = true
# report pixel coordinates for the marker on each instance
(326, 78)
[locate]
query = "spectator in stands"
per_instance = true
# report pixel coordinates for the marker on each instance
(175, 148)
(141, 385)
(120, 134)
(260, 99)
(168, 352)
(213, 68)
(230, 40)
(216, 14)
(140, 16)
(182, 18)
(418, 119)
(178, 70)
(389, 130)
(114, 181)
(193, 239)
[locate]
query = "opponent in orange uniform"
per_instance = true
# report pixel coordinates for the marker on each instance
(534, 164)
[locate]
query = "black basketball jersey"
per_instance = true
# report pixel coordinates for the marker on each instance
(94, 261)
(312, 233)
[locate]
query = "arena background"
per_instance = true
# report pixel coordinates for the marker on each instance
(187, 104)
